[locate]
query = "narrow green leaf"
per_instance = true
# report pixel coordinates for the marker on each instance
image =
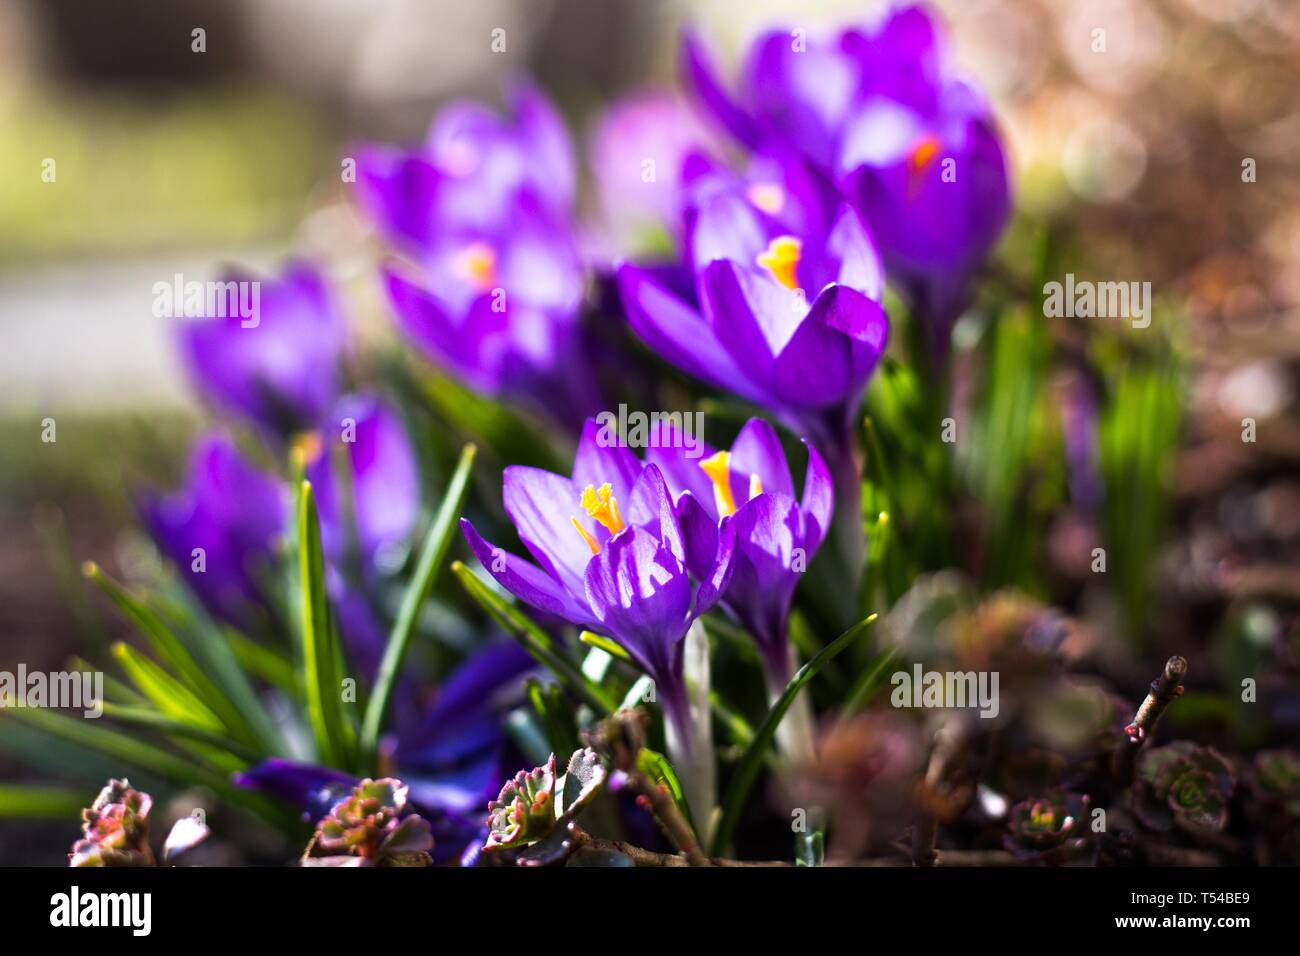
(152, 719)
(747, 769)
(165, 692)
(436, 544)
(41, 802)
(320, 653)
(660, 770)
(173, 652)
(534, 640)
(266, 662)
(612, 648)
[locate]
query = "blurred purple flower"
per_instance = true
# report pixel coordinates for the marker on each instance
(280, 374)
(879, 113)
(637, 580)
(382, 474)
(230, 510)
(470, 169)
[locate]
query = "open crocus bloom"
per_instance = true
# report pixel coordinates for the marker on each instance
(220, 529)
(279, 371)
(611, 556)
(788, 287)
(776, 534)
(879, 113)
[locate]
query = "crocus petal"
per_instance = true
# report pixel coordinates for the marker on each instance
(309, 788)
(699, 535)
(767, 530)
(818, 502)
(680, 466)
(231, 511)
(834, 350)
(385, 482)
(676, 331)
(546, 141)
(757, 451)
(602, 457)
(398, 190)
(700, 78)
(802, 94)
(524, 580)
(714, 583)
(641, 594)
(280, 371)
(542, 506)
(651, 507)
(753, 316)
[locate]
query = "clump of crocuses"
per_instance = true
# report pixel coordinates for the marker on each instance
(371, 827)
(1183, 785)
(115, 830)
(1052, 829)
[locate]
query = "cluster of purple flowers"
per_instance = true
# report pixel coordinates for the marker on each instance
(867, 160)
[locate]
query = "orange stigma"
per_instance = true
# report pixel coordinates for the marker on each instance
(919, 161)
(477, 264)
(781, 260)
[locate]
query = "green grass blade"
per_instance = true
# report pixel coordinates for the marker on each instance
(264, 662)
(867, 684)
(41, 802)
(172, 651)
(535, 641)
(165, 692)
(436, 545)
(153, 720)
(747, 769)
(319, 641)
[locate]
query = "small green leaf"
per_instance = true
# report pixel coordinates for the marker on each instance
(321, 652)
(436, 544)
(660, 771)
(612, 648)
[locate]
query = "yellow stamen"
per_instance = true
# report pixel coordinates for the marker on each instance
(755, 487)
(718, 468)
(477, 264)
(782, 260)
(769, 197)
(586, 536)
(603, 506)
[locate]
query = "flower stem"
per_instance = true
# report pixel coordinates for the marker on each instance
(689, 732)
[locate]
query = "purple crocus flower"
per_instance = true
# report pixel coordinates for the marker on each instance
(637, 578)
(382, 472)
(453, 756)
(470, 169)
(278, 370)
(789, 315)
(498, 306)
(776, 533)
(879, 113)
(220, 529)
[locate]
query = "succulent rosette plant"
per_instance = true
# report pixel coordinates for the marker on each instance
(1182, 784)
(115, 830)
(1055, 829)
(536, 809)
(372, 826)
